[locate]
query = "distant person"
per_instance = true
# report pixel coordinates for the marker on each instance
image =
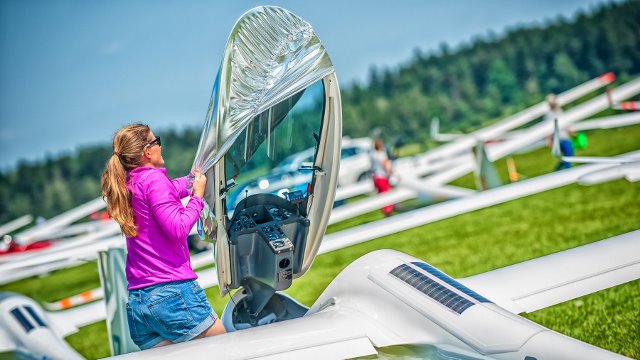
(566, 145)
(381, 170)
(555, 111)
(166, 305)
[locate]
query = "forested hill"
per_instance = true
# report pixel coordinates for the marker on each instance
(465, 87)
(490, 77)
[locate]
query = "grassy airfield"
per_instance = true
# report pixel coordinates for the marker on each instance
(467, 244)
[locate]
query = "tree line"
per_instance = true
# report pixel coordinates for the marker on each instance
(465, 87)
(491, 77)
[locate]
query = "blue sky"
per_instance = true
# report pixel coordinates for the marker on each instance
(72, 72)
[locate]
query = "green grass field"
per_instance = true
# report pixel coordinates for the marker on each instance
(467, 244)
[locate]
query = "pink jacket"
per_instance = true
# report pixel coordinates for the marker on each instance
(159, 252)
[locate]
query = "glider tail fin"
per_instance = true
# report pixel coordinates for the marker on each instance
(114, 282)
(486, 175)
(435, 127)
(435, 134)
(555, 149)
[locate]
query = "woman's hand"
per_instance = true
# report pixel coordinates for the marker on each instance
(199, 183)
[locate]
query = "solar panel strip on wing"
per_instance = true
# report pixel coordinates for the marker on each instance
(35, 316)
(22, 320)
(431, 288)
(447, 279)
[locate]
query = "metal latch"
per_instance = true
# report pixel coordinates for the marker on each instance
(308, 166)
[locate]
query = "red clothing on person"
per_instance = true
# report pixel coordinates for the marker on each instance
(382, 185)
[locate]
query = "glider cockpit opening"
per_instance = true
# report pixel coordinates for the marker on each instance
(266, 219)
(275, 98)
(267, 216)
(267, 240)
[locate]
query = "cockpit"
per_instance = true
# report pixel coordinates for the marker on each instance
(271, 222)
(266, 218)
(267, 210)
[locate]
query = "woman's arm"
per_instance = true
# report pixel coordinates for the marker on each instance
(164, 200)
(387, 166)
(181, 186)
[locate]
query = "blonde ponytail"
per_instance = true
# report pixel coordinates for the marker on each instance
(128, 145)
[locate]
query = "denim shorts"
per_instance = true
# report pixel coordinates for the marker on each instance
(176, 311)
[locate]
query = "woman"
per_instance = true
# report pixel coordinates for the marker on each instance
(166, 304)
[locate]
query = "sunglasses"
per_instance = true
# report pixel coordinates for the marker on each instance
(154, 141)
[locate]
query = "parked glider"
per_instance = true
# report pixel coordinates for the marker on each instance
(343, 323)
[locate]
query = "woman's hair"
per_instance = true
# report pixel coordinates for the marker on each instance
(128, 145)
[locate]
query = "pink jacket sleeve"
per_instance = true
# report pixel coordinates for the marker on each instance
(181, 185)
(164, 199)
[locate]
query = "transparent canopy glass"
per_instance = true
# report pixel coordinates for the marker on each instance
(261, 159)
